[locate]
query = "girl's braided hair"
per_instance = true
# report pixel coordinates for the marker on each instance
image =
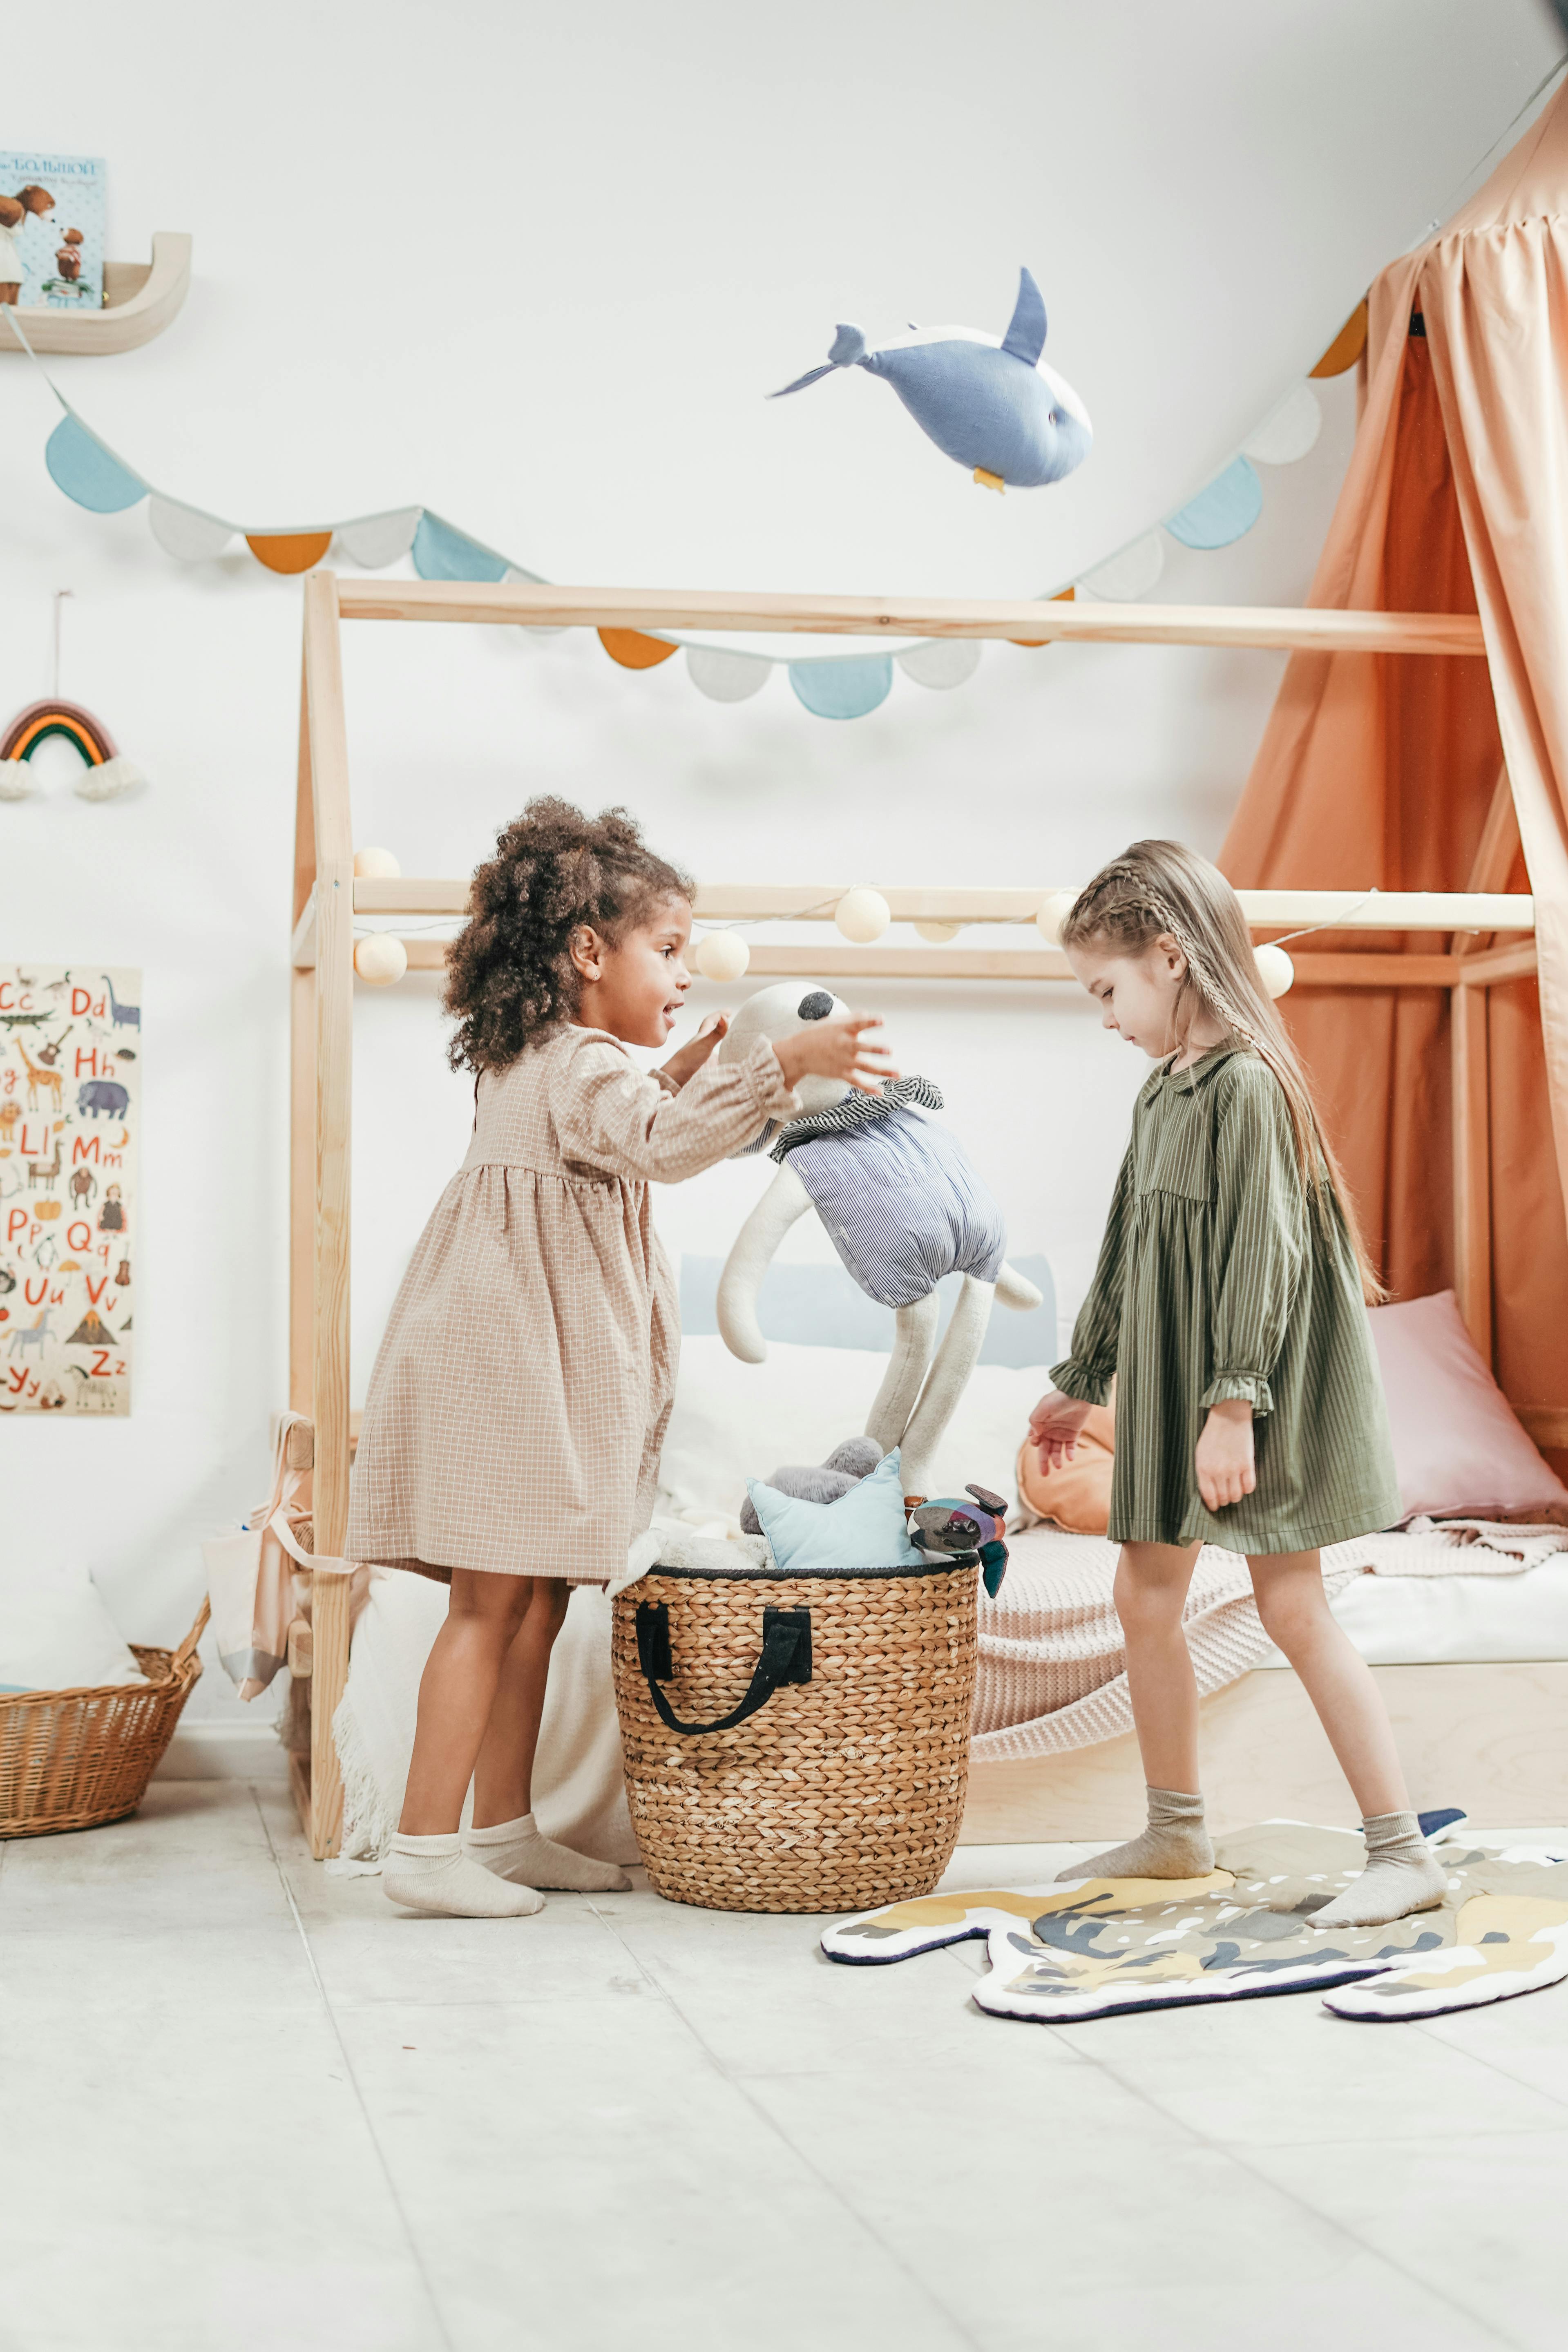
(1160, 889)
(510, 974)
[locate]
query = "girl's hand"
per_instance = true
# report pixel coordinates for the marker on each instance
(836, 1049)
(688, 1059)
(1053, 1427)
(1223, 1460)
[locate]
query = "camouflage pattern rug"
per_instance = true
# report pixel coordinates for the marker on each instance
(1095, 1946)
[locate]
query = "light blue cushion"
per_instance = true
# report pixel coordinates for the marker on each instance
(863, 1528)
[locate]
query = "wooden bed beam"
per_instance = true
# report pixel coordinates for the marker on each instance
(899, 618)
(839, 960)
(1267, 910)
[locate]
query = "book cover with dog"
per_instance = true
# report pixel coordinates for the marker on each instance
(51, 230)
(71, 1065)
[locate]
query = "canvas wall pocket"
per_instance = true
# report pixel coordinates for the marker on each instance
(70, 1095)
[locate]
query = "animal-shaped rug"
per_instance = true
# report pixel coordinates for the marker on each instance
(1096, 1946)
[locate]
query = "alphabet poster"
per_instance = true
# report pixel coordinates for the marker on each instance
(70, 1091)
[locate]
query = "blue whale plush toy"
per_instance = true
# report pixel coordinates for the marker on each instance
(996, 407)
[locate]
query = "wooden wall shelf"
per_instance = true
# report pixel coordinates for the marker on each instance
(139, 299)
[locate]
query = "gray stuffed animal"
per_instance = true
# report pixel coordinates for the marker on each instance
(813, 1482)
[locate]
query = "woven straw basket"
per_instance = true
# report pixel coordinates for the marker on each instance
(796, 1743)
(70, 1760)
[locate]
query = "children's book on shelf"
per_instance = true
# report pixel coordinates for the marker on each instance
(51, 230)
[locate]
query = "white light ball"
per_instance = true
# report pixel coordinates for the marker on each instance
(937, 933)
(1052, 914)
(1275, 969)
(380, 958)
(376, 866)
(862, 915)
(721, 955)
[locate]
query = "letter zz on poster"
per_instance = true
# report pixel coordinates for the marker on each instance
(70, 1094)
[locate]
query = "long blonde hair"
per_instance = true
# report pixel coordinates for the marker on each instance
(1157, 888)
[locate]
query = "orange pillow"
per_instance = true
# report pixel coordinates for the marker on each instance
(1077, 1496)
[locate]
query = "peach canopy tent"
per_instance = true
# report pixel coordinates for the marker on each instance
(1448, 775)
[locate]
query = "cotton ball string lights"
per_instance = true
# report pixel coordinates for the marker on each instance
(376, 866)
(380, 958)
(862, 915)
(1052, 914)
(1275, 969)
(721, 955)
(937, 933)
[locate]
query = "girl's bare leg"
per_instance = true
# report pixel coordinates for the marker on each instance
(1402, 1873)
(456, 1693)
(427, 1869)
(1151, 1582)
(1150, 1591)
(1335, 1676)
(503, 1771)
(505, 1837)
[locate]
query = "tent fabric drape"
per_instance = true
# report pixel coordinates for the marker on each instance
(1380, 769)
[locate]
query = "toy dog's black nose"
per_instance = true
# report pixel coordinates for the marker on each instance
(816, 1006)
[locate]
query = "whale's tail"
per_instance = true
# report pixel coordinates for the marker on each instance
(847, 349)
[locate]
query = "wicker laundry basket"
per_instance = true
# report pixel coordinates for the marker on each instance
(796, 1743)
(70, 1760)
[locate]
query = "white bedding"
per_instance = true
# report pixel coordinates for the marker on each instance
(1421, 1620)
(735, 1420)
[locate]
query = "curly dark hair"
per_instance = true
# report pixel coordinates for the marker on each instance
(510, 977)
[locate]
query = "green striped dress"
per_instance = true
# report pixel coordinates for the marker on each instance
(1217, 1278)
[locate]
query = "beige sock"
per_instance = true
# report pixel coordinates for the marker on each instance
(434, 1874)
(1402, 1874)
(521, 1851)
(1174, 1845)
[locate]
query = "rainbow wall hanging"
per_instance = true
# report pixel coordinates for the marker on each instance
(106, 771)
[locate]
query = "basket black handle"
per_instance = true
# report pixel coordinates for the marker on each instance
(786, 1658)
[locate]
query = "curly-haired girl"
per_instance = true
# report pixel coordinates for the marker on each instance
(518, 1405)
(1229, 1304)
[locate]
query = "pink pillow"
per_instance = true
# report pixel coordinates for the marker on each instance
(1457, 1449)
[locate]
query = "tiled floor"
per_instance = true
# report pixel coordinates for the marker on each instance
(245, 2105)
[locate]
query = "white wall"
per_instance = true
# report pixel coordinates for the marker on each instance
(464, 255)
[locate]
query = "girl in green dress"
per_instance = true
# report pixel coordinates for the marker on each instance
(1229, 1306)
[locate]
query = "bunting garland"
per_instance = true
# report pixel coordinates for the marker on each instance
(831, 686)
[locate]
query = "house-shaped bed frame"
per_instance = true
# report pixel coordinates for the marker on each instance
(1485, 1736)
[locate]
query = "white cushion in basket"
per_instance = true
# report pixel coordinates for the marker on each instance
(56, 1634)
(733, 1422)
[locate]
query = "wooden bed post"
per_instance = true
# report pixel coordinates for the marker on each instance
(303, 1092)
(1471, 1061)
(1469, 1046)
(325, 778)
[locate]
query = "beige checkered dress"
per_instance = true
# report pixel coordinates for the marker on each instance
(520, 1394)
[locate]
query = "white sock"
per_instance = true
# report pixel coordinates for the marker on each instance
(1402, 1876)
(434, 1874)
(1174, 1845)
(521, 1851)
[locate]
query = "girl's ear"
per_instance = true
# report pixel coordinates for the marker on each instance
(586, 950)
(1170, 951)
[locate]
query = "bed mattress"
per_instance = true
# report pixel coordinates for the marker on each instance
(1424, 1621)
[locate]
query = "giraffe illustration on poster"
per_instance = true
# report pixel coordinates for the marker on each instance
(70, 1090)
